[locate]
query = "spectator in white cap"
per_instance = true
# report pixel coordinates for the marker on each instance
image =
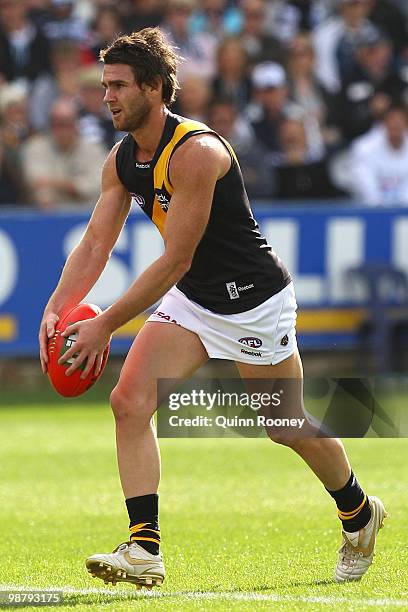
(271, 93)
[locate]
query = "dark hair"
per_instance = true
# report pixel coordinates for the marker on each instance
(150, 56)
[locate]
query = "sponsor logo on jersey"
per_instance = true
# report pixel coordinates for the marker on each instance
(232, 290)
(138, 199)
(252, 353)
(140, 165)
(163, 197)
(251, 341)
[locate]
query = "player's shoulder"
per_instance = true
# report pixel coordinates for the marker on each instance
(109, 170)
(195, 137)
(198, 147)
(201, 156)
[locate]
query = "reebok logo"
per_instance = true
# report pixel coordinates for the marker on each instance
(252, 353)
(246, 287)
(139, 165)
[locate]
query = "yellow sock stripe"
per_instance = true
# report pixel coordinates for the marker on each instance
(350, 515)
(136, 537)
(137, 527)
(141, 527)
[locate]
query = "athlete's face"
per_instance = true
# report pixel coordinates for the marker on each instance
(128, 103)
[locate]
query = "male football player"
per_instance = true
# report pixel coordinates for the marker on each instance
(220, 282)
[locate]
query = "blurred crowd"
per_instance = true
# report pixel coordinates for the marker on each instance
(312, 94)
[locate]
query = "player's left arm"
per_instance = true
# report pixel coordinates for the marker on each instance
(194, 170)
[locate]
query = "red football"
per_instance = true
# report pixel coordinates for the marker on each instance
(71, 386)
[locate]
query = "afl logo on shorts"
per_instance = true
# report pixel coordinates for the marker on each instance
(138, 199)
(285, 340)
(252, 342)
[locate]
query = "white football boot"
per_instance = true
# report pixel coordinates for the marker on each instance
(357, 551)
(129, 562)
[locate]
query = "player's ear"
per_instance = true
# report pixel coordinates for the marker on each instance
(155, 86)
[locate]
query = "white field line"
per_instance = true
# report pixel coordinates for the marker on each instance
(217, 595)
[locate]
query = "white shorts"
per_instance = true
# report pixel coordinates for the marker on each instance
(264, 335)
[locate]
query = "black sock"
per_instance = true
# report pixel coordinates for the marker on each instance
(144, 521)
(353, 507)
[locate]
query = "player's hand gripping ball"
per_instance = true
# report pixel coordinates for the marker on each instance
(73, 385)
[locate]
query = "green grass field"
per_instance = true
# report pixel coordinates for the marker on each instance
(245, 526)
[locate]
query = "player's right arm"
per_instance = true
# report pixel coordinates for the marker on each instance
(88, 259)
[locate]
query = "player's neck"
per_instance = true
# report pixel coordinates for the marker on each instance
(148, 137)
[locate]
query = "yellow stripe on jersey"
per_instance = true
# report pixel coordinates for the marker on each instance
(160, 175)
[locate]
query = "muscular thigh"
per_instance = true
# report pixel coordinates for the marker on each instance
(160, 351)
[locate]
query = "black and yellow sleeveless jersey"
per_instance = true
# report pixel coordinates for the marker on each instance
(233, 269)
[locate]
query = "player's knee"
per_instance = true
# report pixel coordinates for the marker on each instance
(125, 408)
